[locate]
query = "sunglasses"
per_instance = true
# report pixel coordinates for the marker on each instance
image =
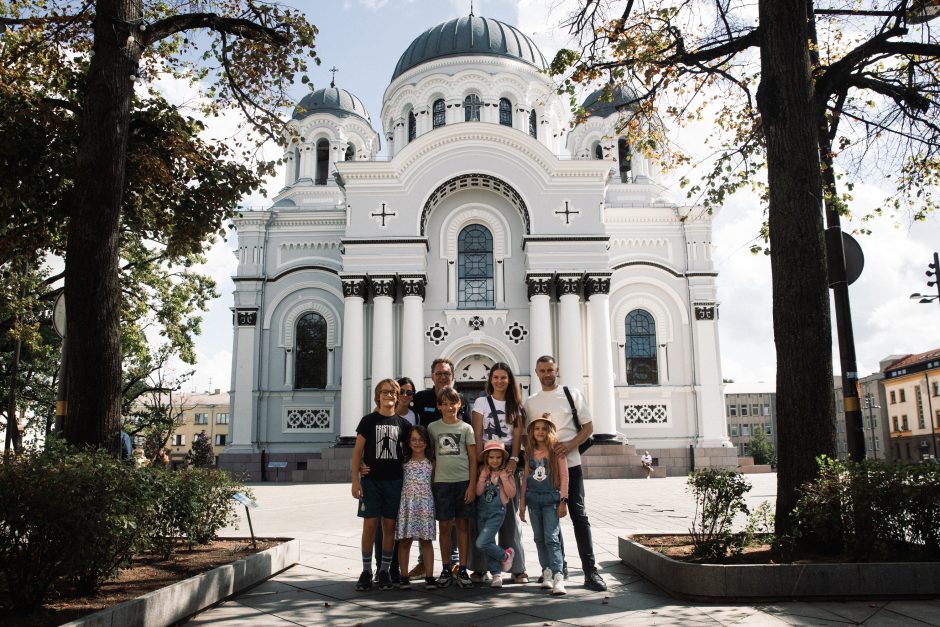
(408, 393)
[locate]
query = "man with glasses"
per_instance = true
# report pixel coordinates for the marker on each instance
(425, 401)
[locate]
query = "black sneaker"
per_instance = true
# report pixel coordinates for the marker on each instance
(404, 583)
(463, 579)
(365, 581)
(594, 581)
(430, 583)
(446, 578)
(384, 581)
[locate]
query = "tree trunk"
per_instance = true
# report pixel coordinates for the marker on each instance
(92, 285)
(802, 331)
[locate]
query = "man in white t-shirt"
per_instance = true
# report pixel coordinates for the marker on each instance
(551, 399)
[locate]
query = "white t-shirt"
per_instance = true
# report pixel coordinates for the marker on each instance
(556, 404)
(410, 417)
(482, 407)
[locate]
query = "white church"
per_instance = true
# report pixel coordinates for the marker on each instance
(489, 231)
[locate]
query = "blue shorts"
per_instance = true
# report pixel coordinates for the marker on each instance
(380, 499)
(449, 503)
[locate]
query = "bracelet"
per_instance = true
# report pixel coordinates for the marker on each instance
(514, 459)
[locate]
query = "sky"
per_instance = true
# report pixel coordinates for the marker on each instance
(363, 39)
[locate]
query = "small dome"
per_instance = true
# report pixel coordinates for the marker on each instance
(334, 100)
(608, 100)
(470, 36)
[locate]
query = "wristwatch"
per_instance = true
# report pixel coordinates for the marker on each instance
(564, 500)
(514, 459)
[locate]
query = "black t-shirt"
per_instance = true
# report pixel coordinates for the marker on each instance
(425, 408)
(384, 436)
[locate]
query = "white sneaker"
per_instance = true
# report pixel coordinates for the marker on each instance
(558, 585)
(546, 578)
(497, 581)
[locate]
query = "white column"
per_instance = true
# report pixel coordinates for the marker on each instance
(707, 366)
(454, 114)
(351, 407)
(383, 355)
(289, 167)
(603, 407)
(308, 160)
(401, 132)
(540, 321)
(412, 329)
(390, 143)
(570, 346)
(243, 380)
(422, 123)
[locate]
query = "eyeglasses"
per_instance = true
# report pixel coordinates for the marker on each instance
(443, 373)
(408, 393)
(388, 393)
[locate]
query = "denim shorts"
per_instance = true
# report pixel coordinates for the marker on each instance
(448, 501)
(380, 498)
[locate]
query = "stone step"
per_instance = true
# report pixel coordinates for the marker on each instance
(754, 469)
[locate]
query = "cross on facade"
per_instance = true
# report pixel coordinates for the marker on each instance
(384, 215)
(333, 80)
(567, 213)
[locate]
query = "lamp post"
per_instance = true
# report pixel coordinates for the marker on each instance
(933, 272)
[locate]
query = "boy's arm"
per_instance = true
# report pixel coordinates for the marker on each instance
(470, 495)
(356, 461)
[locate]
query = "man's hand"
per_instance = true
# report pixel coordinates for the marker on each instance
(357, 490)
(522, 511)
(563, 448)
(511, 467)
(562, 510)
(470, 495)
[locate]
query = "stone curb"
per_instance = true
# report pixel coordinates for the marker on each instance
(767, 582)
(183, 599)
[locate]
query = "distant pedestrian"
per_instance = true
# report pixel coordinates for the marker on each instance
(647, 461)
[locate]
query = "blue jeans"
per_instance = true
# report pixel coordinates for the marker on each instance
(543, 516)
(490, 521)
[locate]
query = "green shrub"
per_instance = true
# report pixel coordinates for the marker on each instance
(719, 498)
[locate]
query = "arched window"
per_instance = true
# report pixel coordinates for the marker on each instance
(623, 158)
(641, 349)
(412, 126)
(505, 112)
(475, 283)
(471, 108)
(296, 164)
(533, 124)
(310, 352)
(323, 162)
(598, 151)
(350, 153)
(438, 118)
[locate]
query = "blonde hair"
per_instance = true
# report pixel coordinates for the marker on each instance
(551, 439)
(378, 388)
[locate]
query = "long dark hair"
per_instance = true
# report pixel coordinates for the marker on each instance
(513, 404)
(428, 449)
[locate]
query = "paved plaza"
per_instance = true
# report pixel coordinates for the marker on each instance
(320, 590)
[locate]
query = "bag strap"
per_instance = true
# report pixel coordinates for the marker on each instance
(495, 415)
(574, 410)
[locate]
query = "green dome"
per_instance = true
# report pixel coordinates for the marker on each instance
(470, 36)
(603, 102)
(334, 100)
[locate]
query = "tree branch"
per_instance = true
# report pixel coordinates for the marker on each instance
(243, 28)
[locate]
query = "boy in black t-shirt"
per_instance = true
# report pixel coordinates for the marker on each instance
(379, 439)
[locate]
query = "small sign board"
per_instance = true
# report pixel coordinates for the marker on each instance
(277, 465)
(245, 500)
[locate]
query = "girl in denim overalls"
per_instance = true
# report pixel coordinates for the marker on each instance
(545, 492)
(495, 487)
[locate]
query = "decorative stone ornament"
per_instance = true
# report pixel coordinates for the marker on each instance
(705, 311)
(354, 286)
(246, 317)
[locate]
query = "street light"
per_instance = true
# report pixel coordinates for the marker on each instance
(933, 272)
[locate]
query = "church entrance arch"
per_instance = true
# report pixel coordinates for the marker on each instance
(470, 376)
(475, 181)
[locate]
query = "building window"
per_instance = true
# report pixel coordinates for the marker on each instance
(904, 424)
(755, 409)
(734, 430)
(471, 108)
(765, 410)
(769, 429)
(901, 396)
(732, 410)
(744, 409)
(598, 151)
(893, 399)
(533, 124)
(624, 159)
(201, 419)
(936, 388)
(220, 439)
(475, 282)
(642, 367)
(505, 112)
(179, 440)
(745, 431)
(921, 421)
(350, 153)
(438, 117)
(310, 355)
(221, 419)
(412, 126)
(323, 162)
(894, 423)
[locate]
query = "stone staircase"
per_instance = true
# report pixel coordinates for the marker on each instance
(747, 466)
(616, 460)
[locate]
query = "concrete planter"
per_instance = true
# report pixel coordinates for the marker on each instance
(752, 582)
(184, 598)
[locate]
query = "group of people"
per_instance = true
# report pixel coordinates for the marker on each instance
(426, 465)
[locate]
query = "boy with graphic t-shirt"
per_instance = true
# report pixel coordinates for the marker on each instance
(454, 495)
(379, 439)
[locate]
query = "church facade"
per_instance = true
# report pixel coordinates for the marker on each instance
(491, 232)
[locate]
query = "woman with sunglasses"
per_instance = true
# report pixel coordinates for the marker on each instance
(403, 408)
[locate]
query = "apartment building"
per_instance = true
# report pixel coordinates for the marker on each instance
(207, 412)
(750, 406)
(875, 423)
(912, 391)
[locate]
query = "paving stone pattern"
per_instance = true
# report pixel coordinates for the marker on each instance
(320, 590)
